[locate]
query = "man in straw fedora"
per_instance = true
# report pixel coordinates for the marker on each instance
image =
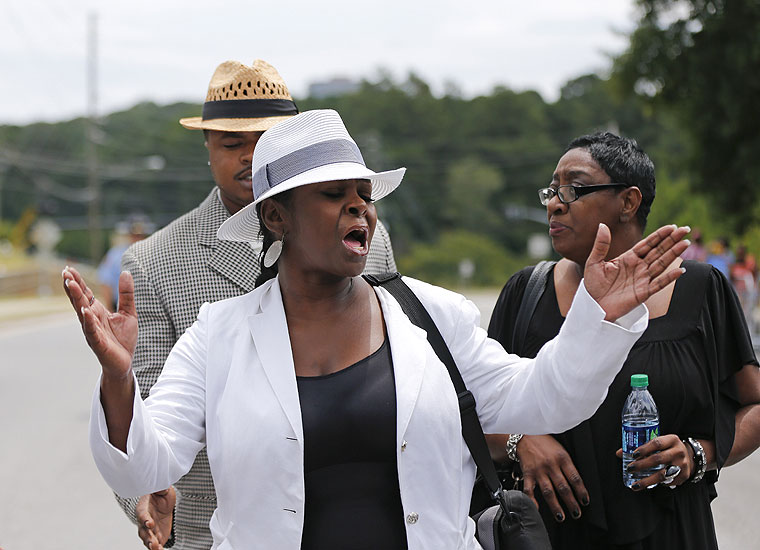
(183, 265)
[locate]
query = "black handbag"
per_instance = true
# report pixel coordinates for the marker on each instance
(512, 522)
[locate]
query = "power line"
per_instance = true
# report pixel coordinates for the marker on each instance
(50, 165)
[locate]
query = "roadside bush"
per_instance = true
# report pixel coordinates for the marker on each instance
(440, 262)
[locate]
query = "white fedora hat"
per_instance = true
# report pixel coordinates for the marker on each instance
(308, 148)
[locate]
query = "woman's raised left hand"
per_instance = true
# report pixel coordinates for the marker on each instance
(619, 285)
(111, 336)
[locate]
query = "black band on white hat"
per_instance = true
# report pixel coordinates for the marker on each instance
(313, 156)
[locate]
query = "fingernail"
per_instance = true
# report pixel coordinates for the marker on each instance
(584, 501)
(560, 517)
(82, 310)
(66, 282)
(635, 454)
(687, 241)
(635, 486)
(688, 228)
(630, 468)
(576, 513)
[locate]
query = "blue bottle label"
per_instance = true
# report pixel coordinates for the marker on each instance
(635, 436)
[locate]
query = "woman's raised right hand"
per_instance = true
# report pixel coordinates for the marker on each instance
(111, 336)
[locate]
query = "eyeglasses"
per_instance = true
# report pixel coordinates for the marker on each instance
(571, 193)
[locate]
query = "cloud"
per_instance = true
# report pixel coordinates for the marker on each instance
(166, 51)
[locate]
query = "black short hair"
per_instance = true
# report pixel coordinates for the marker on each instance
(624, 162)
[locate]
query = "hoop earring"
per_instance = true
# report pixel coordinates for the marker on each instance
(273, 252)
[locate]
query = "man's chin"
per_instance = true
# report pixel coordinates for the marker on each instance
(246, 184)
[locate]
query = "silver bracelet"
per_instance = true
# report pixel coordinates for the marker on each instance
(700, 459)
(511, 447)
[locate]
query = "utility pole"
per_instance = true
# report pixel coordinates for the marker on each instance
(93, 179)
(3, 171)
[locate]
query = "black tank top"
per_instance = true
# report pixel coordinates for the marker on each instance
(349, 424)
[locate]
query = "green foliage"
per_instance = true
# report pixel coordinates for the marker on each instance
(75, 244)
(751, 238)
(467, 161)
(470, 186)
(147, 163)
(699, 60)
(439, 263)
(6, 228)
(508, 143)
(677, 203)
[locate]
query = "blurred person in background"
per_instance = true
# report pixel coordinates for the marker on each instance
(719, 256)
(697, 352)
(184, 265)
(696, 250)
(125, 234)
(744, 278)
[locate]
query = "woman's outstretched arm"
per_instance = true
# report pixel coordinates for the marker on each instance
(112, 337)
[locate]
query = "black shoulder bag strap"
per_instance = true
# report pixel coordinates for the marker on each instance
(472, 431)
(533, 292)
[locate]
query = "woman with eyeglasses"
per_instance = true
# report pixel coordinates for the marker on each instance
(697, 352)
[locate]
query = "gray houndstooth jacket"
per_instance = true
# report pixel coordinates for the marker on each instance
(175, 271)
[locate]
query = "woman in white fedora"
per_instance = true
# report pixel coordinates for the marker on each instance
(329, 420)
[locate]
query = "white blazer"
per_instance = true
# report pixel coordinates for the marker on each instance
(229, 384)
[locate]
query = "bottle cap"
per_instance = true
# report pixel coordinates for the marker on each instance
(639, 381)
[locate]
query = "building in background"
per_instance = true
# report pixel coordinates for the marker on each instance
(334, 87)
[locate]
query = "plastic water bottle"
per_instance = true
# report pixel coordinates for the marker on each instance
(641, 423)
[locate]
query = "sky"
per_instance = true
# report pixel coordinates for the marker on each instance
(166, 50)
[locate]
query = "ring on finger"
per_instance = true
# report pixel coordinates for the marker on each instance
(92, 300)
(670, 474)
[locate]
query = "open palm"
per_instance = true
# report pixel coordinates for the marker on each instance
(155, 513)
(111, 336)
(622, 283)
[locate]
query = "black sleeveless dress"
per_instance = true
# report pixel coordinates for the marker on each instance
(352, 493)
(690, 355)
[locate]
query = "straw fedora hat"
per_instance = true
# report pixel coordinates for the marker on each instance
(244, 99)
(311, 147)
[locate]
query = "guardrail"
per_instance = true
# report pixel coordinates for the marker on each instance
(21, 283)
(39, 280)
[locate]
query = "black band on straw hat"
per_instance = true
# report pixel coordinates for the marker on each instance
(248, 108)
